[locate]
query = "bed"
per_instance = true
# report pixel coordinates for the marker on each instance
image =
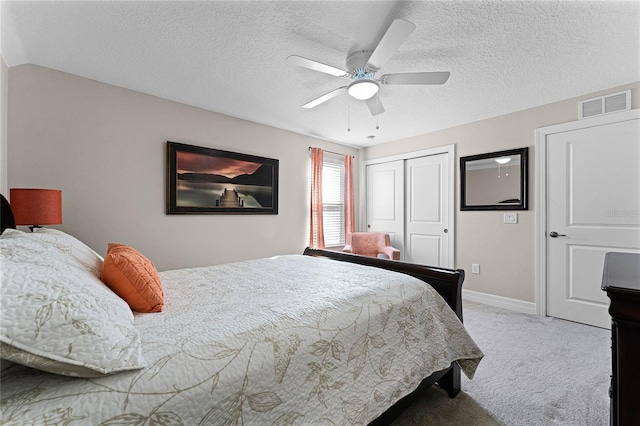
(317, 338)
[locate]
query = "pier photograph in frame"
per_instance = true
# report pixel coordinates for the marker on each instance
(211, 181)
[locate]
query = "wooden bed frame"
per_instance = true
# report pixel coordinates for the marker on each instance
(448, 283)
(6, 215)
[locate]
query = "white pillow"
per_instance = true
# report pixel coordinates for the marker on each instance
(72, 246)
(58, 313)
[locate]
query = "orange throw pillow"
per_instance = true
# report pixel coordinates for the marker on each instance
(133, 277)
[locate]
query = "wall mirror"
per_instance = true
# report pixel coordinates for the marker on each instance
(494, 181)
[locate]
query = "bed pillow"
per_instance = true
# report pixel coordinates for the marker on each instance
(57, 316)
(46, 364)
(133, 277)
(72, 246)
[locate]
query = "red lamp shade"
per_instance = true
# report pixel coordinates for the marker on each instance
(36, 206)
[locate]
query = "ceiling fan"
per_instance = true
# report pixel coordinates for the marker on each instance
(363, 66)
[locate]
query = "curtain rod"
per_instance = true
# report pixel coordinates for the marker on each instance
(331, 152)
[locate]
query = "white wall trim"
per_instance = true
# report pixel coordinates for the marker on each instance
(541, 135)
(499, 301)
(445, 149)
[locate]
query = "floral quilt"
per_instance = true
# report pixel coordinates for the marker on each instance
(289, 340)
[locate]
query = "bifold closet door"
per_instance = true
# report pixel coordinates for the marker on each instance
(409, 200)
(385, 201)
(427, 236)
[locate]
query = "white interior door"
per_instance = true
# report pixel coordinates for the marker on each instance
(427, 210)
(593, 202)
(385, 201)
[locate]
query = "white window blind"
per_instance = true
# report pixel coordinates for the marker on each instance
(333, 199)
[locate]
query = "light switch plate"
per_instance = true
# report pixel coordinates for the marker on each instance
(511, 218)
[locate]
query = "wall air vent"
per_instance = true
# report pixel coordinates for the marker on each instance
(615, 102)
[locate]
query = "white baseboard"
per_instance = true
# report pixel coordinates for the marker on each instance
(499, 301)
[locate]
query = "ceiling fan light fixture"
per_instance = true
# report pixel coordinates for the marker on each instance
(363, 89)
(503, 160)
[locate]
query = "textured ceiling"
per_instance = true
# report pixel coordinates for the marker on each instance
(230, 57)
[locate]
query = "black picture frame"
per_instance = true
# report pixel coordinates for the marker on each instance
(518, 195)
(212, 181)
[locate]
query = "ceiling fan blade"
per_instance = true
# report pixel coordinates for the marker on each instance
(324, 98)
(397, 33)
(375, 106)
(316, 66)
(416, 78)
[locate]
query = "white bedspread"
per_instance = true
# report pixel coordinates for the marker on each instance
(290, 340)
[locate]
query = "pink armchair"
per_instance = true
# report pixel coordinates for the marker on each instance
(373, 244)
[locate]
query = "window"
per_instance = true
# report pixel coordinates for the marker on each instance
(333, 199)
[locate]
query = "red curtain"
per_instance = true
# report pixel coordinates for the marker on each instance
(316, 236)
(349, 215)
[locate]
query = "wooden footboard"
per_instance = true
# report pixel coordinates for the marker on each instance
(448, 283)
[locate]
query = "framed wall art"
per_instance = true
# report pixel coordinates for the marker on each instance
(211, 181)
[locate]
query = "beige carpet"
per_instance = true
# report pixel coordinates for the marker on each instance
(536, 371)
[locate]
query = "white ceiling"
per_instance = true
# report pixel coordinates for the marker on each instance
(230, 56)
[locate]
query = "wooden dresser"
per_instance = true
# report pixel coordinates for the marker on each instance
(621, 281)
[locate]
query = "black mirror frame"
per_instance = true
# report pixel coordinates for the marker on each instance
(524, 178)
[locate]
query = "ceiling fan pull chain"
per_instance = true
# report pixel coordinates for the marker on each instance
(378, 111)
(348, 114)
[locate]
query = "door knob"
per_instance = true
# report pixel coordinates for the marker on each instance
(554, 234)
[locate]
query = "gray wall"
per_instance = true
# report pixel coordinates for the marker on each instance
(506, 253)
(105, 148)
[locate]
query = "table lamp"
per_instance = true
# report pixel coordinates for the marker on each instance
(34, 207)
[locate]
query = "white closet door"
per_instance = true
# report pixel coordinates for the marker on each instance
(411, 200)
(427, 210)
(385, 201)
